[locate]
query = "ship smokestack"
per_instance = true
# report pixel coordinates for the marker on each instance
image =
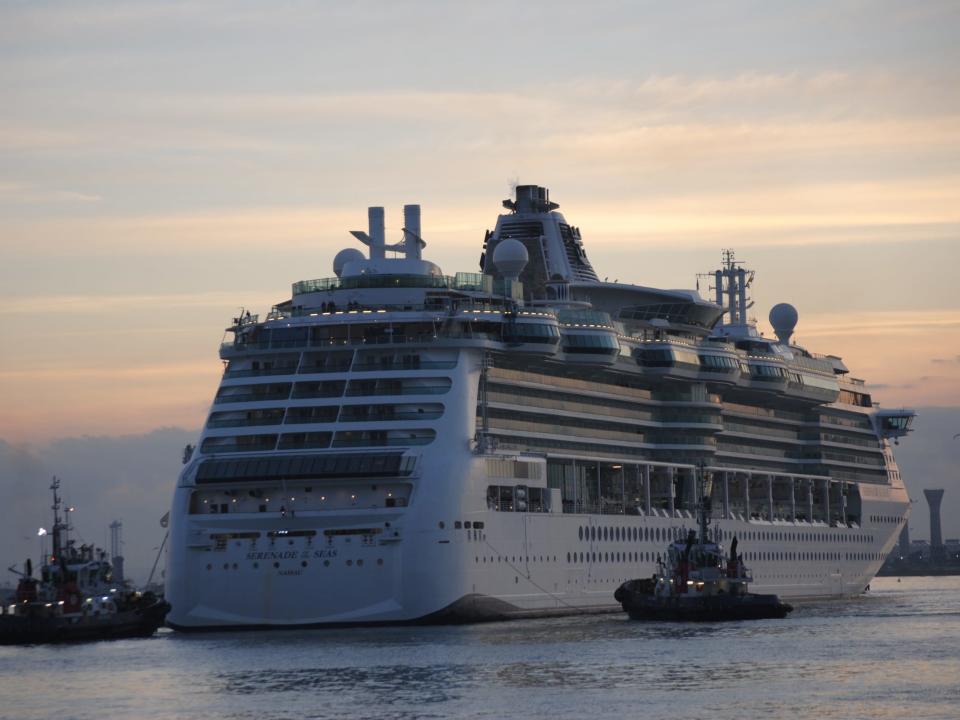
(411, 231)
(377, 233)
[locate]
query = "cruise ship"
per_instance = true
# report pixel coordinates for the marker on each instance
(393, 444)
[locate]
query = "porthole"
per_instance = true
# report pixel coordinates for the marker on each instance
(581, 532)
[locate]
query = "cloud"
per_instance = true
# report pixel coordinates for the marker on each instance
(125, 303)
(885, 322)
(123, 477)
(154, 373)
(29, 194)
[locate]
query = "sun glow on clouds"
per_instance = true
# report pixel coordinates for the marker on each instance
(907, 357)
(146, 193)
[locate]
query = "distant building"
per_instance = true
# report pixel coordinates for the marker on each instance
(951, 548)
(919, 550)
(904, 544)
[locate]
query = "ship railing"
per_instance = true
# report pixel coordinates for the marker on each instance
(419, 365)
(215, 424)
(262, 372)
(465, 282)
(239, 447)
(250, 398)
(388, 442)
(328, 343)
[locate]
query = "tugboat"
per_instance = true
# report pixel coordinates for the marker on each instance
(697, 582)
(76, 597)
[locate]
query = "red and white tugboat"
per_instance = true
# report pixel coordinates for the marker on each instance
(697, 582)
(75, 598)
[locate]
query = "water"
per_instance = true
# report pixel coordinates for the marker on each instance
(894, 653)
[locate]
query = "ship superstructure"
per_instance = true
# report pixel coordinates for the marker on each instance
(394, 444)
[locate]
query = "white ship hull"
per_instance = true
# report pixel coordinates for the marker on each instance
(515, 566)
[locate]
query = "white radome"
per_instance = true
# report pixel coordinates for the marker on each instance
(783, 318)
(347, 255)
(510, 257)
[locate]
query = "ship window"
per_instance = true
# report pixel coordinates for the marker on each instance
(719, 363)
(581, 532)
(322, 389)
(316, 414)
(604, 344)
(655, 357)
(238, 443)
(296, 441)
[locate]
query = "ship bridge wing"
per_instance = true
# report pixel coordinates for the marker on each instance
(640, 306)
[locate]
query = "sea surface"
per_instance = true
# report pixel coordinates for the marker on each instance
(892, 653)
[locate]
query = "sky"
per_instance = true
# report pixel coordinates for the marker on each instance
(163, 164)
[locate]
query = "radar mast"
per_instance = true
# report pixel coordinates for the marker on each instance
(731, 283)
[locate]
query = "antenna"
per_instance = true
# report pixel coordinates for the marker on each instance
(116, 538)
(730, 284)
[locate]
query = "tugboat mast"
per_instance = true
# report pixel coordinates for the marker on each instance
(703, 507)
(60, 528)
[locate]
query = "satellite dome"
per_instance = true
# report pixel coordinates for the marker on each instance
(784, 318)
(345, 256)
(510, 258)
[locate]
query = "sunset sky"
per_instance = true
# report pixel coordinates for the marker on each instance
(164, 164)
